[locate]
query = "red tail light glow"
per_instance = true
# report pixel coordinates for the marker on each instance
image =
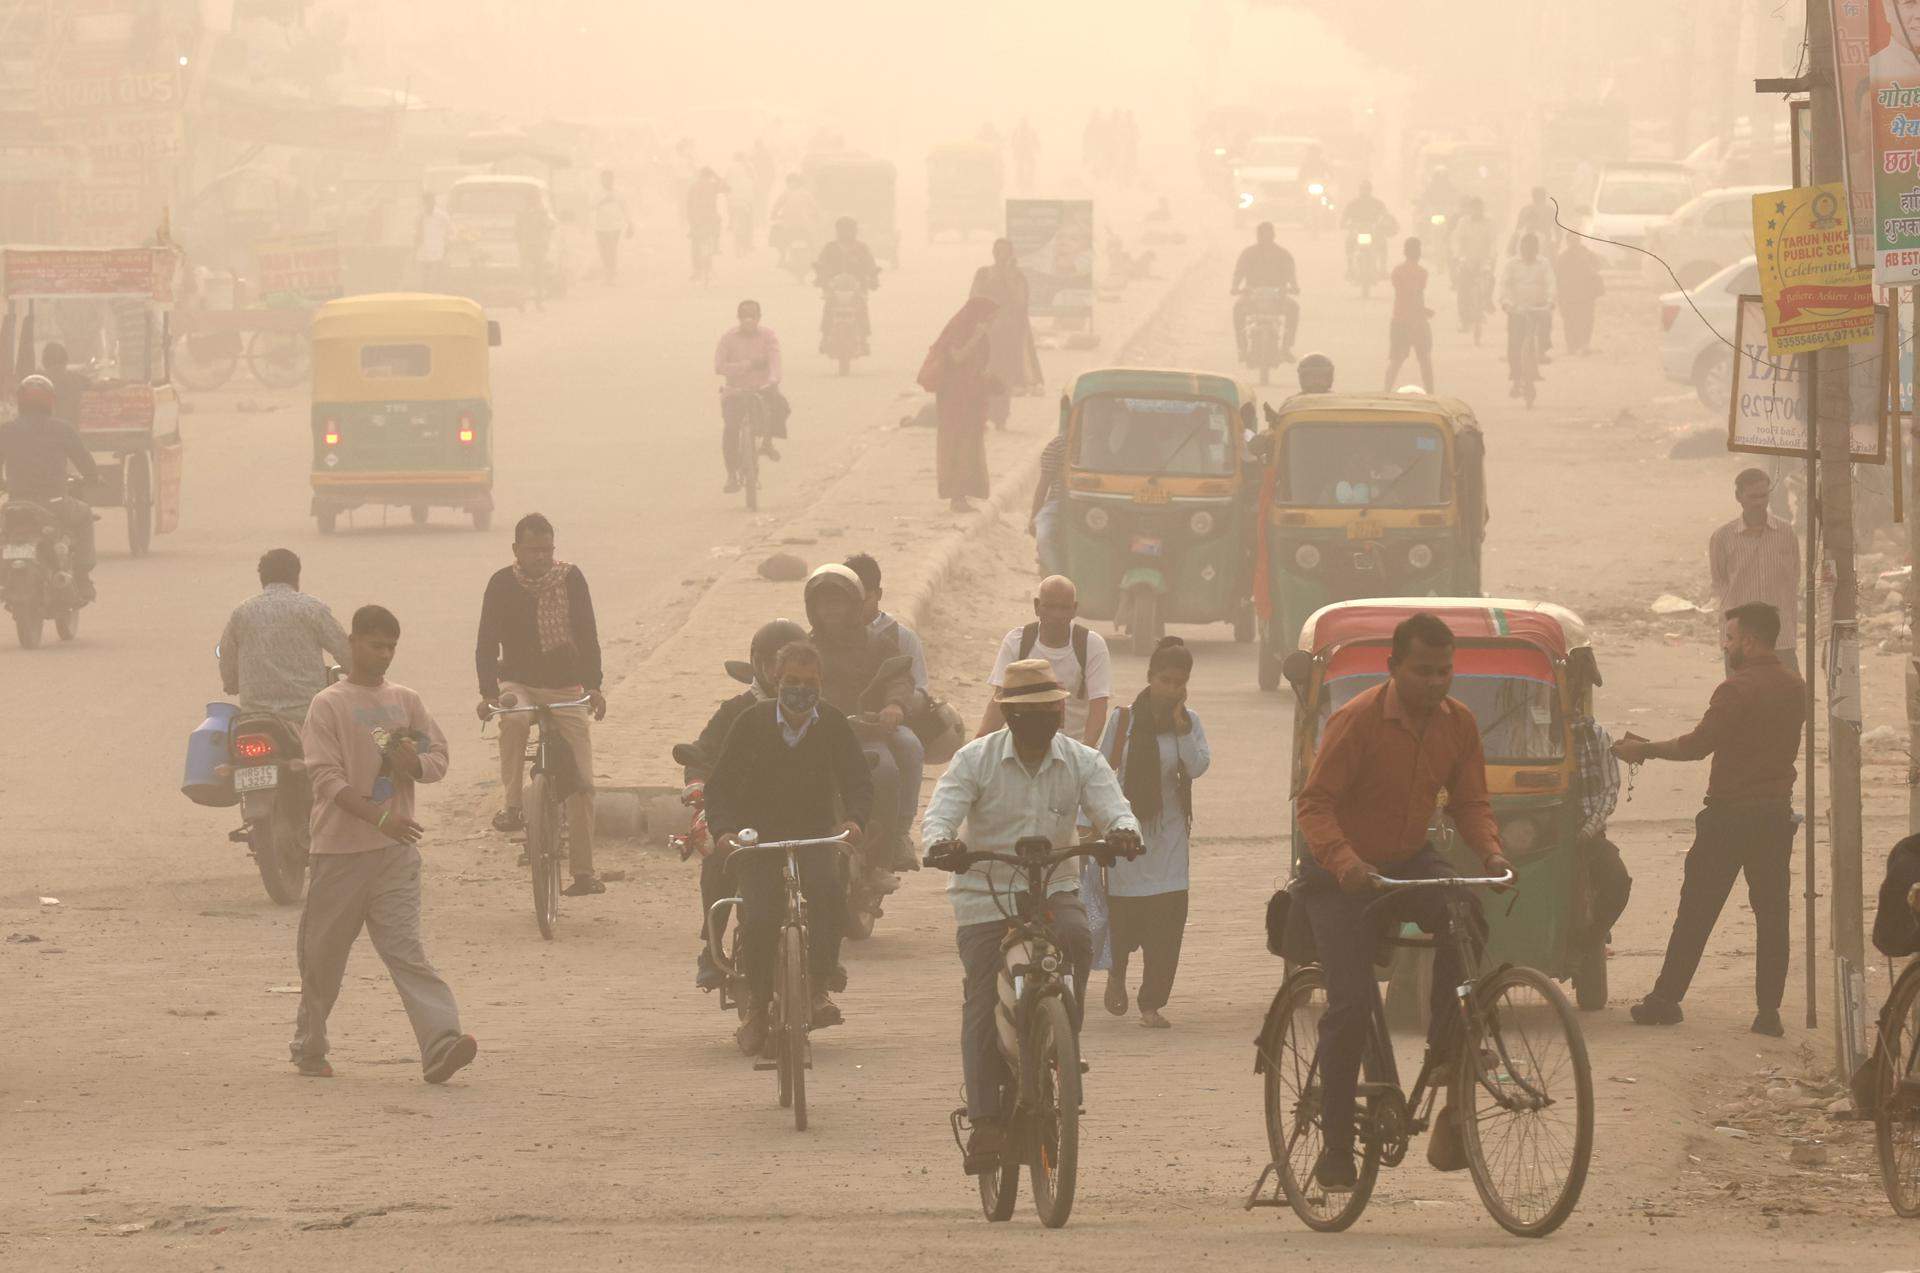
(253, 747)
(1667, 314)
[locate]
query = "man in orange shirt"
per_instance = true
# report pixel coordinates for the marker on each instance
(1384, 758)
(1410, 330)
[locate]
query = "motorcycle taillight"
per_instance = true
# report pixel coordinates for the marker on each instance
(255, 747)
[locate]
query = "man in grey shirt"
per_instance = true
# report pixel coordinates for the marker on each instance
(271, 652)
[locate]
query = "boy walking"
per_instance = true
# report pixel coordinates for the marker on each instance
(367, 742)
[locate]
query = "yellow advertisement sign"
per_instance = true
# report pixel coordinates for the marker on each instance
(1814, 296)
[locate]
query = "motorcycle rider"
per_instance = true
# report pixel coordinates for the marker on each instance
(1526, 293)
(773, 637)
(836, 604)
(908, 752)
(35, 450)
(1472, 248)
(273, 650)
(1265, 264)
(846, 254)
(749, 357)
(703, 221)
(1316, 373)
(790, 769)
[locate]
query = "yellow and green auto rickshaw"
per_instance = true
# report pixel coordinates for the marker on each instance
(402, 412)
(1156, 528)
(1366, 495)
(1526, 670)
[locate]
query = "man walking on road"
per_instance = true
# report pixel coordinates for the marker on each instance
(1078, 654)
(272, 653)
(1410, 330)
(611, 223)
(540, 644)
(1756, 557)
(430, 243)
(1577, 279)
(1752, 731)
(367, 742)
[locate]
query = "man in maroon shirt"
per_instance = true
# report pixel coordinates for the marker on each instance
(1410, 330)
(1384, 759)
(1752, 730)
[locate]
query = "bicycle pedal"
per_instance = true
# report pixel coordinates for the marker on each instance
(766, 1065)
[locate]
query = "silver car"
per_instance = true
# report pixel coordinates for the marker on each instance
(1704, 234)
(1697, 347)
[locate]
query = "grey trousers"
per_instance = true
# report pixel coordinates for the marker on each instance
(379, 891)
(980, 1061)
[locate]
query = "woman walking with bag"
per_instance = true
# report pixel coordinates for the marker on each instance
(1158, 748)
(957, 373)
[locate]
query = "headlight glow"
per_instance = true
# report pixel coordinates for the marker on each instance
(1246, 198)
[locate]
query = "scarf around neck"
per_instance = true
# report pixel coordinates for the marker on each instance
(552, 604)
(1140, 771)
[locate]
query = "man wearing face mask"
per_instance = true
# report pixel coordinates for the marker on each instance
(792, 770)
(1026, 779)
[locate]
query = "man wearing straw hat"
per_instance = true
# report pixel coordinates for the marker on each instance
(1026, 779)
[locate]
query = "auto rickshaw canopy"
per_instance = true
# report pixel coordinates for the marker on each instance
(1553, 629)
(1140, 427)
(400, 345)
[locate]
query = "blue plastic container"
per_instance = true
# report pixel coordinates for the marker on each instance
(206, 753)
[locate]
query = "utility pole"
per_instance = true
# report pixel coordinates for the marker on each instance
(1831, 428)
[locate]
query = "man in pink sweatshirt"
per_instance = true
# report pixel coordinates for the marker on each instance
(367, 742)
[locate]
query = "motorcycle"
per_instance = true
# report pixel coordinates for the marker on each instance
(38, 581)
(1473, 293)
(841, 338)
(1366, 259)
(1265, 312)
(269, 773)
(1320, 214)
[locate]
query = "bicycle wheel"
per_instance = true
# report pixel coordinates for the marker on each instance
(1000, 1190)
(796, 1018)
(1524, 1095)
(1053, 1052)
(1896, 1123)
(1289, 1048)
(747, 456)
(542, 856)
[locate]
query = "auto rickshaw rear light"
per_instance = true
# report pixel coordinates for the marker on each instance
(332, 434)
(1306, 556)
(1201, 523)
(1097, 519)
(466, 434)
(1420, 556)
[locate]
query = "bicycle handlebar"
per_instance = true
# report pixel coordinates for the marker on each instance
(962, 858)
(586, 700)
(1383, 884)
(747, 840)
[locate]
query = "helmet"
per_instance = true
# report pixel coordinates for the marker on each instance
(36, 394)
(1316, 374)
(774, 636)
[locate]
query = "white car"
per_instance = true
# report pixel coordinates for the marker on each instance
(1692, 350)
(1268, 184)
(1704, 234)
(1629, 199)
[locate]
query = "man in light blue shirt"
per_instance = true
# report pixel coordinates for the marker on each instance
(1026, 779)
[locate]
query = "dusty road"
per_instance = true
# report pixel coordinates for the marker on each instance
(149, 1118)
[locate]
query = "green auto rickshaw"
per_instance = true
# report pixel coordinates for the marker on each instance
(402, 408)
(1160, 500)
(1367, 495)
(1526, 670)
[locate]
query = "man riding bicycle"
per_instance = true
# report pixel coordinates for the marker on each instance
(1526, 293)
(1026, 779)
(1384, 759)
(749, 357)
(792, 770)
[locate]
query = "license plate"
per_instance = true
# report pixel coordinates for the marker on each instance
(1151, 495)
(257, 778)
(1365, 530)
(1143, 547)
(19, 552)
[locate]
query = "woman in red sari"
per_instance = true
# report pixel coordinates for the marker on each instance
(956, 371)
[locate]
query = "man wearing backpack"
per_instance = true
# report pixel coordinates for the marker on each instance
(1078, 655)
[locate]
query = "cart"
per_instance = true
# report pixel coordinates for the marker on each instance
(208, 345)
(110, 308)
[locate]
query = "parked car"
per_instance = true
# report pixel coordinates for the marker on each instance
(1696, 349)
(1704, 234)
(1629, 199)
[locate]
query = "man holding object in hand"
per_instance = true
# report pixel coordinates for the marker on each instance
(367, 742)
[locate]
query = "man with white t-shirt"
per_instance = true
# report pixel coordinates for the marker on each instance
(1078, 655)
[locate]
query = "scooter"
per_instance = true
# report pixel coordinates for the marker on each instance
(36, 573)
(1265, 306)
(844, 298)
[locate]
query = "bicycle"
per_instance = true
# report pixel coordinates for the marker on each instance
(548, 828)
(747, 435)
(1896, 1112)
(1034, 1023)
(1524, 368)
(790, 1010)
(1517, 1061)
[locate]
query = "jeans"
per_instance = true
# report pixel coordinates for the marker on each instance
(1289, 313)
(763, 895)
(1154, 926)
(1754, 838)
(876, 844)
(1048, 539)
(573, 726)
(909, 757)
(1346, 942)
(985, 1070)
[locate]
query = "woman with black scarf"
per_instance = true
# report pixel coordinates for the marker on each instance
(1158, 748)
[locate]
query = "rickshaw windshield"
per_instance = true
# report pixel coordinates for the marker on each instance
(1519, 716)
(1182, 437)
(1337, 464)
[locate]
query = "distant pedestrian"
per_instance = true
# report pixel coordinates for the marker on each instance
(957, 373)
(1410, 330)
(1158, 748)
(1756, 557)
(430, 243)
(612, 222)
(367, 741)
(1752, 731)
(1049, 502)
(1578, 282)
(1078, 654)
(533, 231)
(1012, 359)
